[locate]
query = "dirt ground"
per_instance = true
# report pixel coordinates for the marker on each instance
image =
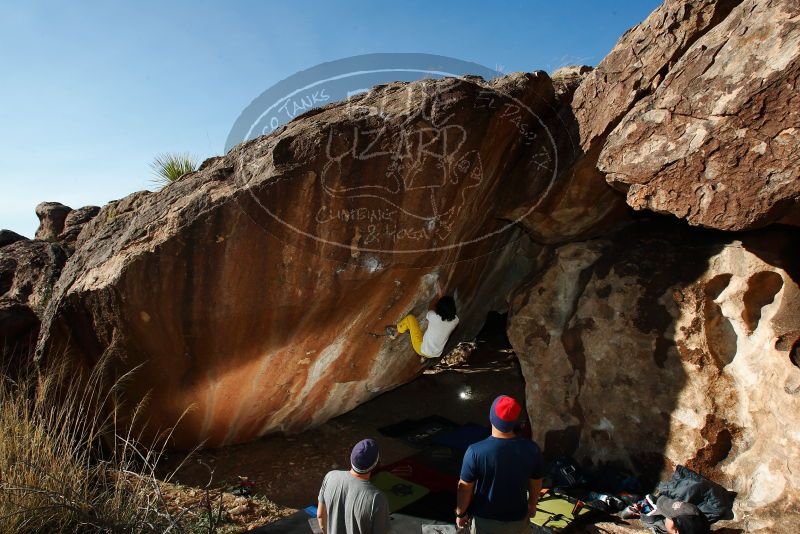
(286, 471)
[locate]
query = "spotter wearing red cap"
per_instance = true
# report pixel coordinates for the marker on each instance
(504, 413)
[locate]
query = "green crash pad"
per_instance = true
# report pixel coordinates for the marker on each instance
(550, 506)
(399, 492)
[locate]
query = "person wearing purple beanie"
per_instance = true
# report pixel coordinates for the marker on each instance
(348, 502)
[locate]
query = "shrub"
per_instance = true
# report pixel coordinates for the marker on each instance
(169, 167)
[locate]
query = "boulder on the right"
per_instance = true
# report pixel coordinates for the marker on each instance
(662, 345)
(717, 142)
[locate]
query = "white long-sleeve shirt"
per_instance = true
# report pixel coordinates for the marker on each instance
(437, 334)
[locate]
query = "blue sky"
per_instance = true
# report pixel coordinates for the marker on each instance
(91, 91)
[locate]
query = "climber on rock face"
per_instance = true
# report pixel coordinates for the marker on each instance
(442, 320)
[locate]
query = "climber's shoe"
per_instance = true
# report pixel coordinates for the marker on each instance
(391, 331)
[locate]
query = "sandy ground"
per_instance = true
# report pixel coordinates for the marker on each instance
(288, 470)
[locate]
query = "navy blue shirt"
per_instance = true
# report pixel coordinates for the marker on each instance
(501, 470)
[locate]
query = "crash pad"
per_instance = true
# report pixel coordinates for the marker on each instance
(439, 529)
(297, 523)
(461, 437)
(422, 474)
(436, 505)
(399, 492)
(555, 513)
(442, 459)
(402, 523)
(418, 432)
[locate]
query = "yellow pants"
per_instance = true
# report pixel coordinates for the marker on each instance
(410, 325)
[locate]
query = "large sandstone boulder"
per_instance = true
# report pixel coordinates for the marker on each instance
(638, 63)
(716, 139)
(591, 103)
(28, 273)
(660, 346)
(251, 292)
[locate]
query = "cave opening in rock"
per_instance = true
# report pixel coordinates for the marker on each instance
(490, 346)
(493, 332)
(794, 353)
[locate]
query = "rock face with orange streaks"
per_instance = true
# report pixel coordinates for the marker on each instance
(251, 290)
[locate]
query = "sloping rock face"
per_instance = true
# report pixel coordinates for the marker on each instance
(74, 223)
(638, 63)
(252, 290)
(28, 274)
(659, 346)
(579, 203)
(715, 139)
(7, 237)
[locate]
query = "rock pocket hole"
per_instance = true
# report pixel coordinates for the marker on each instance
(761, 290)
(720, 436)
(717, 285)
(794, 353)
(720, 335)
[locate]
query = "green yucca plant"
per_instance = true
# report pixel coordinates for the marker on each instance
(168, 167)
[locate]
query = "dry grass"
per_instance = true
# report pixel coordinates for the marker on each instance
(65, 467)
